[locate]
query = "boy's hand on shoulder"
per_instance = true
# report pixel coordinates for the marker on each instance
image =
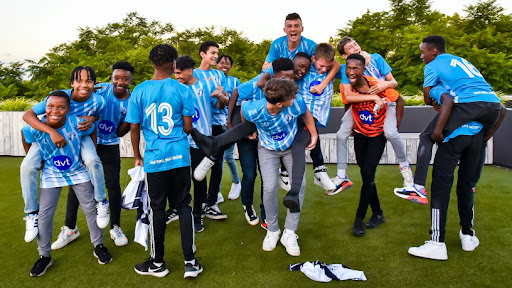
(367, 57)
(57, 139)
(379, 87)
(86, 124)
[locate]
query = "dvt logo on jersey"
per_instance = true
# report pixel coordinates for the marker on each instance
(106, 127)
(314, 83)
(367, 117)
(279, 136)
(196, 116)
(62, 162)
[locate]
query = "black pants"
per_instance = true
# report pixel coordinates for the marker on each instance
(368, 153)
(172, 185)
(111, 160)
(463, 149)
(486, 113)
(216, 174)
(200, 187)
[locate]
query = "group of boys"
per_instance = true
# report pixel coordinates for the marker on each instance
(273, 118)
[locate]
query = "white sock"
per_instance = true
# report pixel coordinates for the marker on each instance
(404, 164)
(193, 262)
(342, 173)
(418, 186)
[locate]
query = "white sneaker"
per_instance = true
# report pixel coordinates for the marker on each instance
(407, 175)
(203, 167)
(118, 236)
(250, 215)
(270, 241)
(342, 184)
(102, 217)
(431, 249)
(289, 241)
(220, 198)
(66, 235)
(284, 180)
(322, 179)
(31, 229)
(234, 193)
(469, 243)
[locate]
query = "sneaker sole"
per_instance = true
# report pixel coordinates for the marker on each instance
(291, 253)
(318, 183)
(253, 222)
(337, 190)
(415, 199)
(99, 261)
(193, 274)
(71, 239)
(156, 274)
(116, 243)
(31, 238)
(172, 219)
(292, 205)
(217, 217)
(425, 256)
(44, 271)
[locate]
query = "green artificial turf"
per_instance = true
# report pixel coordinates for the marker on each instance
(230, 251)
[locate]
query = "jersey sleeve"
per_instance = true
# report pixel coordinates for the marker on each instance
(431, 78)
(302, 105)
(390, 94)
(133, 115)
(40, 108)
(188, 102)
(344, 78)
(104, 88)
(273, 52)
(436, 92)
(245, 91)
(312, 46)
(28, 133)
(100, 102)
(382, 65)
(249, 111)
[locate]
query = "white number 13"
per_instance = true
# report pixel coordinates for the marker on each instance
(166, 110)
(467, 67)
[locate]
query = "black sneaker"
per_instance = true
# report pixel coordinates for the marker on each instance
(150, 267)
(250, 215)
(375, 220)
(291, 202)
(171, 215)
(205, 143)
(358, 228)
(102, 254)
(198, 224)
(41, 266)
(191, 271)
(213, 212)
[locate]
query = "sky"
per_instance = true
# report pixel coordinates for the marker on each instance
(30, 28)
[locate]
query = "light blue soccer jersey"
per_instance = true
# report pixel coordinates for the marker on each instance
(318, 104)
(90, 107)
(276, 132)
(249, 91)
(217, 77)
(470, 128)
(203, 103)
(279, 48)
(62, 166)
(112, 116)
(232, 83)
(461, 76)
(159, 106)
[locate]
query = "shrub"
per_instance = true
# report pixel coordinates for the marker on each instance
(16, 104)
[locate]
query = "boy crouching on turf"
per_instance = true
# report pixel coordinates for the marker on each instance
(276, 120)
(62, 167)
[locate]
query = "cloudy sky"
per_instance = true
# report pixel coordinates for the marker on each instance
(30, 28)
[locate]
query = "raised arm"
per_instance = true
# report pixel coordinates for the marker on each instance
(318, 89)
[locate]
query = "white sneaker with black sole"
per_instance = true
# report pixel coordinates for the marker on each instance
(250, 215)
(203, 168)
(220, 198)
(192, 270)
(431, 250)
(102, 217)
(322, 178)
(213, 212)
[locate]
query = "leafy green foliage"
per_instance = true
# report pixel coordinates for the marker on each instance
(16, 104)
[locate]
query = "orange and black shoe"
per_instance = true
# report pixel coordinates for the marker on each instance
(412, 193)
